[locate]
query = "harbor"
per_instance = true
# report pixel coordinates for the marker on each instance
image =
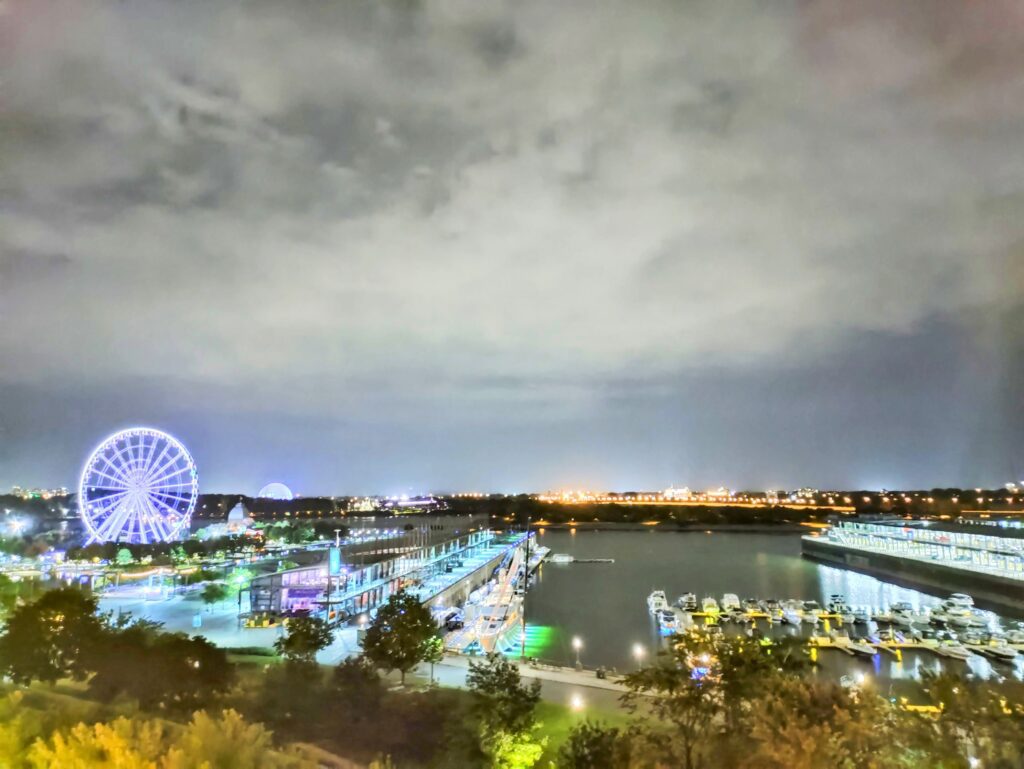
(955, 630)
(604, 605)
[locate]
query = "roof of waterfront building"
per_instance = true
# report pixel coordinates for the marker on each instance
(1007, 528)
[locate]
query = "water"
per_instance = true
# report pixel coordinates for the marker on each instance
(604, 604)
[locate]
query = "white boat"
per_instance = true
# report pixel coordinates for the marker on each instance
(709, 606)
(666, 621)
(687, 602)
(961, 599)
(953, 649)
(1015, 636)
(842, 639)
(906, 619)
(811, 611)
(730, 602)
(860, 616)
(561, 558)
(684, 620)
(997, 648)
(966, 618)
(792, 612)
(657, 601)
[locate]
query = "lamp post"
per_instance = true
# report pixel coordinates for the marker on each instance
(638, 654)
(577, 644)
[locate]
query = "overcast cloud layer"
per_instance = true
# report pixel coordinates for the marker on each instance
(384, 246)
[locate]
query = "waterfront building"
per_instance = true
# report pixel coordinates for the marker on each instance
(987, 560)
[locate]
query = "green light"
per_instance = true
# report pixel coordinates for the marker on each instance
(539, 638)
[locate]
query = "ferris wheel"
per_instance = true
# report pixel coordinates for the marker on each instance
(139, 486)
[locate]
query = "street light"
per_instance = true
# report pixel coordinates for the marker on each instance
(577, 644)
(576, 702)
(638, 653)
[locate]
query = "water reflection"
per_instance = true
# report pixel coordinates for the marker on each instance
(604, 604)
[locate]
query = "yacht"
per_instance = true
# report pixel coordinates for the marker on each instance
(709, 606)
(903, 615)
(860, 616)
(856, 645)
(666, 621)
(730, 602)
(684, 620)
(811, 611)
(752, 606)
(954, 649)
(966, 618)
(687, 602)
(961, 599)
(997, 648)
(792, 612)
(561, 558)
(657, 601)
(1015, 635)
(838, 606)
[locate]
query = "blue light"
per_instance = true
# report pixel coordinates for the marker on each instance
(138, 486)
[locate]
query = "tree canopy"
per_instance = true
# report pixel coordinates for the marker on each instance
(399, 635)
(304, 638)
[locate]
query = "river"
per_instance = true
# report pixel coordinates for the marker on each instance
(604, 604)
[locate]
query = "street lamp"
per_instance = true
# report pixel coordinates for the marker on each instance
(576, 702)
(577, 644)
(638, 654)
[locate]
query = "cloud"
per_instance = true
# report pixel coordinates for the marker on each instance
(332, 207)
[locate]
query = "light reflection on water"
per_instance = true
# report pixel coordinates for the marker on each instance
(604, 604)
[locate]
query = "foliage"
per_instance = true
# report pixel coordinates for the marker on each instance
(500, 700)
(434, 653)
(214, 592)
(50, 638)
(136, 743)
(168, 670)
(9, 591)
(398, 637)
(594, 746)
(702, 681)
(305, 637)
(357, 689)
(513, 750)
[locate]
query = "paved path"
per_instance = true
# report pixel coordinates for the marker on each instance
(221, 627)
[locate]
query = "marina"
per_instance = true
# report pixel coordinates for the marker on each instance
(893, 629)
(605, 605)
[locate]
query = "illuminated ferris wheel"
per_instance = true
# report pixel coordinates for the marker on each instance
(138, 486)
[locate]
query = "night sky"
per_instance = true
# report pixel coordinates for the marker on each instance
(387, 246)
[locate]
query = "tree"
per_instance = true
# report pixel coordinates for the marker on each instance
(8, 595)
(515, 750)
(594, 746)
(357, 688)
(213, 593)
(51, 638)
(168, 670)
(686, 696)
(500, 700)
(124, 557)
(434, 654)
(397, 638)
(305, 637)
(137, 743)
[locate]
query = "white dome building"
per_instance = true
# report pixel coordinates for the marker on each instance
(238, 523)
